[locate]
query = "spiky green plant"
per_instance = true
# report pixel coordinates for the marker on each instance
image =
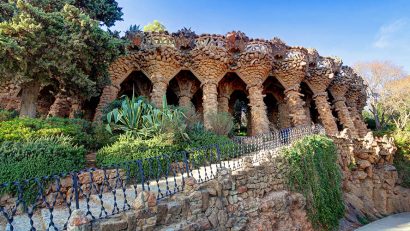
(137, 116)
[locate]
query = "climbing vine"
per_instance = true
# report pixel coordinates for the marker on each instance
(314, 172)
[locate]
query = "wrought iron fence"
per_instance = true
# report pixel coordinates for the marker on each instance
(46, 203)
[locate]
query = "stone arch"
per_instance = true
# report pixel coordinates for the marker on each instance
(232, 93)
(229, 83)
(274, 100)
(182, 88)
(46, 98)
(135, 83)
(119, 70)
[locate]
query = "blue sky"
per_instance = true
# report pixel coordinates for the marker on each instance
(355, 30)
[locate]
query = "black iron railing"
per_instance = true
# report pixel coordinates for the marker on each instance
(46, 203)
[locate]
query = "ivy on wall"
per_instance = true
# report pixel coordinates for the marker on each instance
(314, 172)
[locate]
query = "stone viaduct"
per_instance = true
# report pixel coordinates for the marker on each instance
(284, 85)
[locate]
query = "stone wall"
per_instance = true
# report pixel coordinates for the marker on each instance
(252, 198)
(370, 181)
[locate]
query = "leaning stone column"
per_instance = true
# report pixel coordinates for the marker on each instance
(60, 107)
(344, 115)
(185, 101)
(209, 102)
(325, 113)
(75, 107)
(284, 120)
(259, 117)
(108, 95)
(295, 106)
(339, 88)
(159, 89)
(223, 103)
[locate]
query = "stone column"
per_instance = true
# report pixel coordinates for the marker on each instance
(325, 113)
(223, 103)
(259, 117)
(358, 122)
(108, 95)
(284, 119)
(75, 107)
(344, 115)
(185, 101)
(209, 102)
(60, 107)
(159, 89)
(295, 106)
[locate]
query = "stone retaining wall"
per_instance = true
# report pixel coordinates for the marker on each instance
(256, 197)
(252, 198)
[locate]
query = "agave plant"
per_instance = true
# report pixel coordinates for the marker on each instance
(139, 117)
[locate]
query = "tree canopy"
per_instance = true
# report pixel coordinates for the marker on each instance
(42, 44)
(378, 76)
(155, 26)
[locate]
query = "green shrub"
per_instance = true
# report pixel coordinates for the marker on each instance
(129, 147)
(199, 137)
(7, 115)
(38, 157)
(402, 157)
(221, 123)
(82, 132)
(315, 173)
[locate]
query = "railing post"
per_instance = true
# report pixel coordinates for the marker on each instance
(218, 153)
(186, 163)
(76, 190)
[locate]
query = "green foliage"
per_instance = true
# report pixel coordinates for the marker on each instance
(81, 131)
(111, 106)
(155, 26)
(221, 123)
(199, 137)
(315, 173)
(402, 157)
(7, 115)
(56, 43)
(106, 11)
(142, 119)
(129, 147)
(39, 157)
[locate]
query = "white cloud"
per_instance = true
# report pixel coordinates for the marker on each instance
(389, 33)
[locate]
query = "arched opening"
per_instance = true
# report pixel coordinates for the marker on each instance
(182, 88)
(239, 108)
(276, 107)
(172, 98)
(334, 112)
(272, 109)
(310, 107)
(136, 82)
(233, 98)
(89, 107)
(197, 102)
(46, 98)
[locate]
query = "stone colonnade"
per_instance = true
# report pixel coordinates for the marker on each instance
(211, 58)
